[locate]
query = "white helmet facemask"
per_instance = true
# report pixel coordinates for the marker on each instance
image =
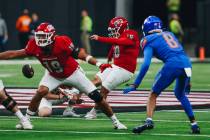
(43, 39)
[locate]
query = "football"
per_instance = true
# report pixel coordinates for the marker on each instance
(28, 71)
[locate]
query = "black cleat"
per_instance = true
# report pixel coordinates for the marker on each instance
(195, 129)
(146, 126)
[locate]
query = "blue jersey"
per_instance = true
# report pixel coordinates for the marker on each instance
(166, 47)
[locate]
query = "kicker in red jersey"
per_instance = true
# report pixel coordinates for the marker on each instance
(125, 49)
(59, 61)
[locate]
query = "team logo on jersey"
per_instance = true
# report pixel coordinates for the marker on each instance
(143, 43)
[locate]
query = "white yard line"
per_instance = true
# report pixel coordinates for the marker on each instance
(105, 133)
(129, 120)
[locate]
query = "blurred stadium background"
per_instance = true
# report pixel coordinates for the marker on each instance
(65, 16)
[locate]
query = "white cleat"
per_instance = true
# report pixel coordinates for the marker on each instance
(118, 125)
(91, 115)
(69, 112)
(19, 126)
(24, 124)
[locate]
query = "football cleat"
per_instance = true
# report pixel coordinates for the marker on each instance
(19, 126)
(146, 126)
(91, 115)
(24, 124)
(195, 129)
(69, 112)
(118, 125)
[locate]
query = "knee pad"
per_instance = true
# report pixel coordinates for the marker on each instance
(9, 103)
(96, 96)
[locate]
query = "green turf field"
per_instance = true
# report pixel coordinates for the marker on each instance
(168, 126)
(12, 76)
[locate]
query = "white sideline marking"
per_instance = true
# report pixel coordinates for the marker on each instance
(106, 133)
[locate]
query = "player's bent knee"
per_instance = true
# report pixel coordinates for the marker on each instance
(44, 112)
(9, 103)
(104, 92)
(96, 81)
(96, 96)
(42, 91)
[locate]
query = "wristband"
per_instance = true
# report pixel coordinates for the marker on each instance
(88, 58)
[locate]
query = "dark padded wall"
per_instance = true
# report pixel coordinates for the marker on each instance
(63, 14)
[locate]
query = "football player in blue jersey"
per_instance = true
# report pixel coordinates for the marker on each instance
(177, 67)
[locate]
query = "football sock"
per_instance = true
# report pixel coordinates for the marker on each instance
(29, 114)
(113, 118)
(149, 119)
(194, 123)
(19, 115)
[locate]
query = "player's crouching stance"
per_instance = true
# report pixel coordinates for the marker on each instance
(56, 53)
(10, 104)
(177, 66)
(124, 50)
(59, 96)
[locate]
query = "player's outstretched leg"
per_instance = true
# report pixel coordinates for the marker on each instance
(92, 114)
(188, 110)
(10, 104)
(180, 87)
(151, 104)
(106, 109)
(34, 104)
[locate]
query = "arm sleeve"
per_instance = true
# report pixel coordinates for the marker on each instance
(68, 45)
(29, 49)
(117, 41)
(148, 53)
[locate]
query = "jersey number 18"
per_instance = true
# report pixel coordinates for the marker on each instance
(53, 66)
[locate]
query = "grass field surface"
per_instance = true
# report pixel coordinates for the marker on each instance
(12, 76)
(169, 125)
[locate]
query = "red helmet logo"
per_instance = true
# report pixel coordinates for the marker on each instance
(117, 26)
(44, 34)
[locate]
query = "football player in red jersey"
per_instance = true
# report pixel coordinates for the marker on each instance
(10, 104)
(57, 54)
(124, 50)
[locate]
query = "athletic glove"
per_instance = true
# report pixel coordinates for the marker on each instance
(129, 89)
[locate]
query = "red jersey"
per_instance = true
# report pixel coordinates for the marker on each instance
(59, 61)
(125, 49)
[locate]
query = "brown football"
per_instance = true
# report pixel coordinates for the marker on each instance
(28, 71)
